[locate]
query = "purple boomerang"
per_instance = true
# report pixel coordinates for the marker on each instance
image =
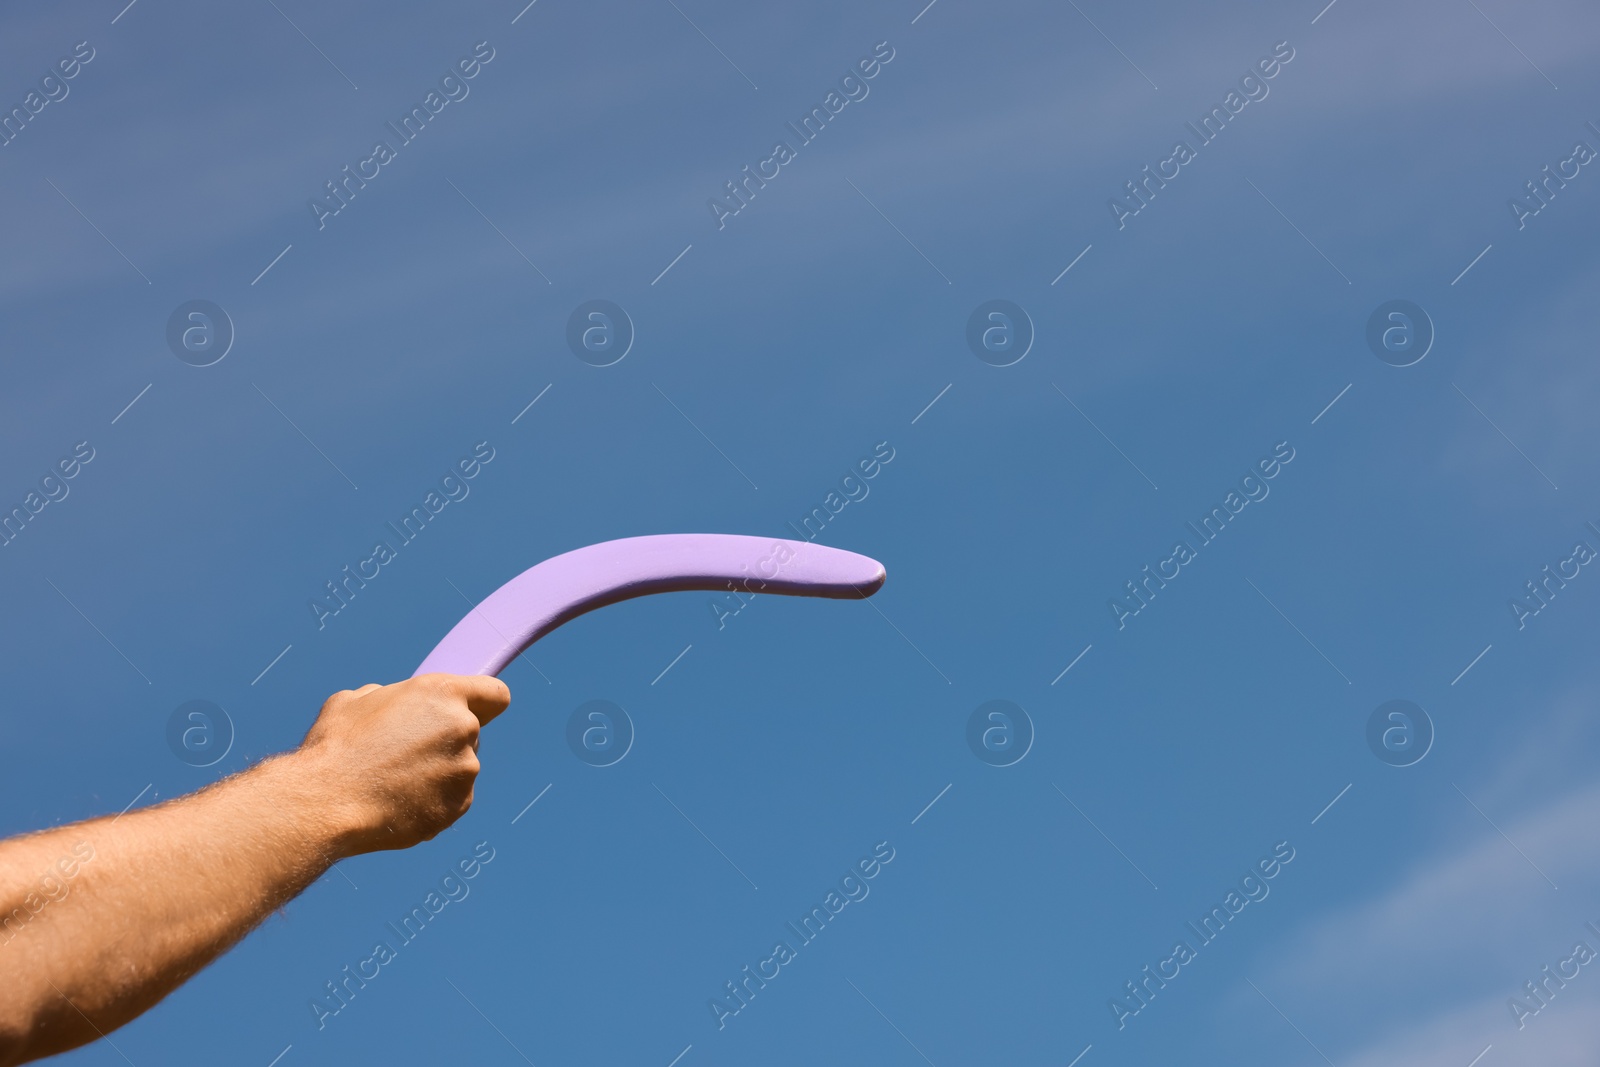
(563, 587)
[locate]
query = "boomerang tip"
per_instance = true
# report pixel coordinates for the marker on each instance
(826, 571)
(879, 575)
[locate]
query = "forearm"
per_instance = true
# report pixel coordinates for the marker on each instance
(100, 920)
(152, 897)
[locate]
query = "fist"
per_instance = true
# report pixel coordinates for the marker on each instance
(399, 761)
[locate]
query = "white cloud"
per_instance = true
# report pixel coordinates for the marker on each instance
(1422, 972)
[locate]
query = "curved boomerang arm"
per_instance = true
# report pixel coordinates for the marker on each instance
(563, 587)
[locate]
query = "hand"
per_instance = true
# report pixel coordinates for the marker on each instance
(400, 760)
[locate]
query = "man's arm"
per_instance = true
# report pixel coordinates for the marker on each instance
(101, 919)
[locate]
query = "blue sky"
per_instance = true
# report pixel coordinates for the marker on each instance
(770, 355)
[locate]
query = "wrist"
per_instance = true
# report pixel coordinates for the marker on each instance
(303, 785)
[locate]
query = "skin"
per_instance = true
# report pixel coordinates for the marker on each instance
(108, 916)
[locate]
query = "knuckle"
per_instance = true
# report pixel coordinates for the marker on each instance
(431, 683)
(455, 725)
